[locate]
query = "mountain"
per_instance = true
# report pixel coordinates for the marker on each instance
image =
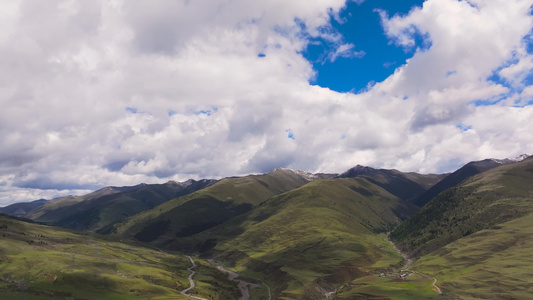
(54, 207)
(304, 242)
(468, 170)
(407, 186)
(111, 204)
(196, 212)
(22, 208)
(499, 195)
(475, 238)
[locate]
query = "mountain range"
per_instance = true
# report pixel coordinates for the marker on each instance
(298, 235)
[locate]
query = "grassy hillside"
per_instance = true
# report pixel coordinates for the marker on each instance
(44, 262)
(110, 205)
(481, 202)
(188, 215)
(21, 208)
(308, 241)
(407, 186)
(468, 170)
(494, 263)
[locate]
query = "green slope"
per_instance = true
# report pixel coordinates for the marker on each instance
(305, 242)
(206, 208)
(22, 208)
(407, 186)
(45, 262)
(485, 200)
(455, 178)
(494, 263)
(110, 205)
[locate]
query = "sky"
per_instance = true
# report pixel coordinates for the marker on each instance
(113, 93)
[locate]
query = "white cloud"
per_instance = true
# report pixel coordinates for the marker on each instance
(70, 70)
(346, 51)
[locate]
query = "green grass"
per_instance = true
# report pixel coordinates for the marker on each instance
(198, 211)
(44, 262)
(101, 208)
(316, 237)
(485, 200)
(375, 287)
(492, 263)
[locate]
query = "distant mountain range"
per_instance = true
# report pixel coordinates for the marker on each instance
(315, 236)
(105, 206)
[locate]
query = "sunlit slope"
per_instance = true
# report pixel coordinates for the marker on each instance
(44, 262)
(305, 242)
(499, 195)
(188, 215)
(495, 263)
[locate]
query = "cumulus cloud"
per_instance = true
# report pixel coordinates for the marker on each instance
(99, 93)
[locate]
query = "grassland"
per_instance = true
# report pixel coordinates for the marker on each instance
(494, 263)
(307, 242)
(188, 215)
(480, 202)
(44, 262)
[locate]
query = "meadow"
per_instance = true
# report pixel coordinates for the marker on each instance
(45, 262)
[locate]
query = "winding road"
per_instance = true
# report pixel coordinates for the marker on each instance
(244, 286)
(185, 291)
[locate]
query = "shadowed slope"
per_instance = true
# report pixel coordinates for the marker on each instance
(407, 186)
(22, 208)
(111, 204)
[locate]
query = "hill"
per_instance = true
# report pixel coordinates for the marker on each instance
(407, 186)
(455, 178)
(111, 204)
(201, 210)
(305, 242)
(493, 263)
(472, 242)
(45, 262)
(480, 202)
(22, 208)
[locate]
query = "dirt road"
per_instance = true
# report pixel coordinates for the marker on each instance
(185, 291)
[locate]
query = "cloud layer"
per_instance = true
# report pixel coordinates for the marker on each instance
(99, 93)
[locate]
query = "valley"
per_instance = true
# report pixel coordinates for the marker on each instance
(363, 234)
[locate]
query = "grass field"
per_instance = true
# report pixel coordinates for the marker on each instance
(495, 263)
(307, 242)
(480, 202)
(43, 262)
(206, 208)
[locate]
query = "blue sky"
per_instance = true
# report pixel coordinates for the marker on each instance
(360, 24)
